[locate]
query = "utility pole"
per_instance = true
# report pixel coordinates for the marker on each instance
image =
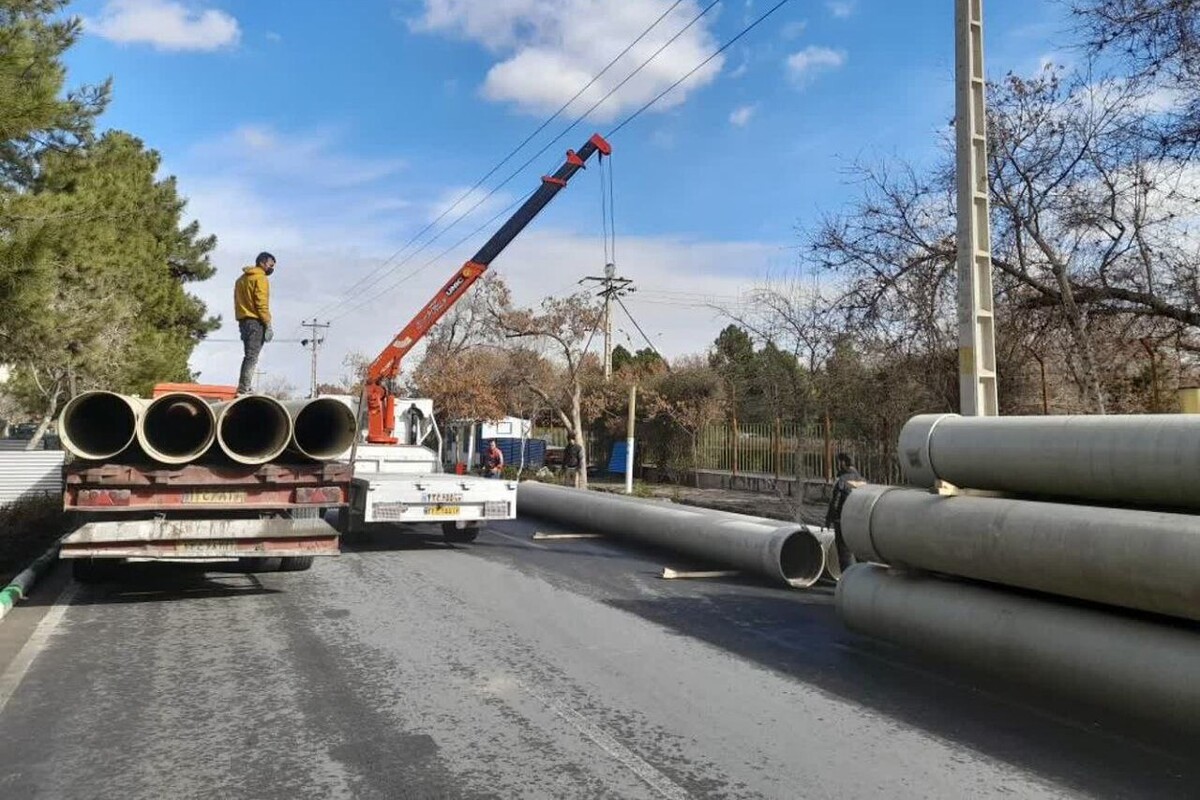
(976, 323)
(314, 342)
(612, 287)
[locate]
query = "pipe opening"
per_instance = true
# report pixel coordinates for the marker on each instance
(254, 429)
(324, 429)
(801, 559)
(178, 426)
(98, 425)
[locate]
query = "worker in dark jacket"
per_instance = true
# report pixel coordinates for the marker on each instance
(572, 458)
(252, 308)
(848, 478)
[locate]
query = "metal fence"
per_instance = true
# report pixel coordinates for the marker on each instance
(28, 473)
(780, 449)
(789, 450)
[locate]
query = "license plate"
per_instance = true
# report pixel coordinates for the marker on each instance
(439, 498)
(214, 498)
(441, 511)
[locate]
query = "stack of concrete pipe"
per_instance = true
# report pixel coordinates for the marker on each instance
(1060, 551)
(179, 428)
(788, 553)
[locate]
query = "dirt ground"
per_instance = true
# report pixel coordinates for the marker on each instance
(756, 504)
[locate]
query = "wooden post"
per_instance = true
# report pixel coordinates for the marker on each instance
(778, 447)
(828, 449)
(735, 446)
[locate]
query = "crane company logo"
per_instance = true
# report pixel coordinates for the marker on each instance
(452, 287)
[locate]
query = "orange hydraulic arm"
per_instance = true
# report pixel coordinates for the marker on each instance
(381, 402)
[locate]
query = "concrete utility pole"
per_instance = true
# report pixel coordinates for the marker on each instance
(976, 323)
(613, 287)
(629, 439)
(314, 343)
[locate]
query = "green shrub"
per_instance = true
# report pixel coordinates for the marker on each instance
(27, 527)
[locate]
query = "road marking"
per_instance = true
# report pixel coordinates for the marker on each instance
(629, 759)
(539, 536)
(12, 677)
(517, 539)
(675, 574)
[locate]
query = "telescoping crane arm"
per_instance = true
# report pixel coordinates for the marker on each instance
(381, 402)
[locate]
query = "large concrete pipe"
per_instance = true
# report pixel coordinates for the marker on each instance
(1151, 459)
(322, 429)
(177, 428)
(253, 429)
(1139, 667)
(99, 425)
(782, 552)
(1148, 560)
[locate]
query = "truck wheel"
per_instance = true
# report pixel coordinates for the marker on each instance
(452, 534)
(261, 564)
(93, 570)
(295, 563)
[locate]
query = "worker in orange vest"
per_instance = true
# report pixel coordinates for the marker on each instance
(251, 305)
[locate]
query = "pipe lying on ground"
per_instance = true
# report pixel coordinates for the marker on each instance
(253, 429)
(1137, 667)
(177, 428)
(322, 429)
(1150, 459)
(1147, 560)
(791, 554)
(99, 425)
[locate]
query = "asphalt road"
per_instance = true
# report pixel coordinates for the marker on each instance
(515, 668)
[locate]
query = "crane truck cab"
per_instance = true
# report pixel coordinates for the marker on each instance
(405, 483)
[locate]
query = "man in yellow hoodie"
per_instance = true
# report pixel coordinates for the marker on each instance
(251, 304)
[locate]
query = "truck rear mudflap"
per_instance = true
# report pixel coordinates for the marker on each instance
(207, 539)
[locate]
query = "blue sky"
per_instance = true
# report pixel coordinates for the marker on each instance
(331, 132)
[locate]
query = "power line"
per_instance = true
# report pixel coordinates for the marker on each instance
(404, 278)
(553, 141)
(761, 18)
(639, 330)
(518, 148)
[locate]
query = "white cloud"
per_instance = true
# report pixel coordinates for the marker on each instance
(274, 37)
(841, 8)
(794, 29)
(286, 156)
(742, 114)
(805, 64)
(476, 203)
(165, 25)
(547, 51)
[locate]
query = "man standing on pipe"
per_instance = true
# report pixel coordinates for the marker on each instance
(251, 304)
(848, 479)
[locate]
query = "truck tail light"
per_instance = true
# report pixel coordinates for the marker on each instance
(103, 498)
(309, 495)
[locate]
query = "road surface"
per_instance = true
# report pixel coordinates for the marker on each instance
(512, 668)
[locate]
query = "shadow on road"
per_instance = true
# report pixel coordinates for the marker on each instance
(805, 641)
(156, 583)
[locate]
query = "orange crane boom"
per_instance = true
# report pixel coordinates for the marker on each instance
(378, 388)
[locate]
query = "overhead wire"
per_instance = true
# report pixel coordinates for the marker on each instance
(445, 213)
(621, 303)
(699, 15)
(409, 276)
(758, 21)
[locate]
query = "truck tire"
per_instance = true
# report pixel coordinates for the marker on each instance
(261, 564)
(452, 534)
(93, 570)
(295, 563)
